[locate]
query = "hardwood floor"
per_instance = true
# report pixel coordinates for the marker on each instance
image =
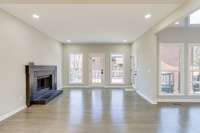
(104, 111)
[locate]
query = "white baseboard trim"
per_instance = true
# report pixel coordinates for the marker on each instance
(71, 86)
(145, 97)
(109, 86)
(180, 100)
(11, 113)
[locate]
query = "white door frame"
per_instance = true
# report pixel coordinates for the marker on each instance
(90, 74)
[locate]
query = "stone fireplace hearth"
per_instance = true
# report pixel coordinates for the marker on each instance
(41, 84)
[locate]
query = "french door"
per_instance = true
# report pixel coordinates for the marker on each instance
(96, 69)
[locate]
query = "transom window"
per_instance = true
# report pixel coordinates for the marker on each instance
(194, 18)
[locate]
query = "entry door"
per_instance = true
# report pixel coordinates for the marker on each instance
(96, 69)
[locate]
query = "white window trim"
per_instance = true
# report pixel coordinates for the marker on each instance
(111, 69)
(75, 83)
(181, 69)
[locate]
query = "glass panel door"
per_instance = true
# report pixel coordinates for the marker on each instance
(96, 70)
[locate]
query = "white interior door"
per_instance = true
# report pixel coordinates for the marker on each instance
(96, 69)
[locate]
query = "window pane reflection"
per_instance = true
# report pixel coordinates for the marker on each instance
(76, 106)
(169, 120)
(117, 105)
(96, 105)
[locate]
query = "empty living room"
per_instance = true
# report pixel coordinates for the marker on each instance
(99, 66)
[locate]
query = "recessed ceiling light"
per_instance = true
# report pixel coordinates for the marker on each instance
(147, 16)
(124, 40)
(177, 22)
(69, 41)
(35, 16)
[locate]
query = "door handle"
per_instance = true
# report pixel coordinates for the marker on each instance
(101, 71)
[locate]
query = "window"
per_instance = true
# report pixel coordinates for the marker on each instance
(117, 68)
(170, 69)
(195, 18)
(194, 69)
(75, 68)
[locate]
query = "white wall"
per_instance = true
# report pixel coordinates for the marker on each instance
(146, 81)
(19, 45)
(87, 49)
(180, 35)
(147, 52)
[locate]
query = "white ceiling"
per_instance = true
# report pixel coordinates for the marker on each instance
(82, 23)
(93, 1)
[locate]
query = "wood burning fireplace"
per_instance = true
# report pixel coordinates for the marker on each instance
(44, 82)
(41, 84)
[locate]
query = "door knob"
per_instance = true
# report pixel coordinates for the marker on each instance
(101, 71)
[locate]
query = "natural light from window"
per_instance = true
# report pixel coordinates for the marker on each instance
(75, 68)
(194, 74)
(195, 18)
(170, 73)
(117, 68)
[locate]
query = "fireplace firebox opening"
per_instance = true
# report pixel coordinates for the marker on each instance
(44, 82)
